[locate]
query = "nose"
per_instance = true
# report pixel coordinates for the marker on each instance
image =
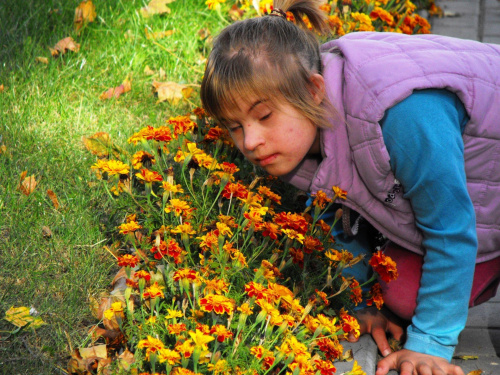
(254, 137)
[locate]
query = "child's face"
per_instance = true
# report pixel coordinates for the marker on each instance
(275, 138)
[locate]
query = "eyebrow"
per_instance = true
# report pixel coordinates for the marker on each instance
(260, 101)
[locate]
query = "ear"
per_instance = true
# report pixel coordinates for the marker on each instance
(318, 89)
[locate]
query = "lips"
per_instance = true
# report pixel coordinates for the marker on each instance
(267, 160)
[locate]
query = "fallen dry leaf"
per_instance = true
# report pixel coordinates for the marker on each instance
(84, 13)
(53, 198)
(20, 316)
(157, 34)
(98, 351)
(98, 144)
(162, 74)
(126, 359)
(42, 60)
(475, 372)
(347, 356)
(466, 357)
(148, 71)
(64, 45)
(171, 91)
(126, 86)
(27, 185)
(46, 232)
(1, 88)
(156, 7)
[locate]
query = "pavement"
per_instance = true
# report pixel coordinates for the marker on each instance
(479, 343)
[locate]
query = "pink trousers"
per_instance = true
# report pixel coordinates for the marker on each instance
(400, 295)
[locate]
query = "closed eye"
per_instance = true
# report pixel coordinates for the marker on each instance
(266, 116)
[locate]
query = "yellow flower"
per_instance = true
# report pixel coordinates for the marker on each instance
(245, 309)
(148, 176)
(173, 314)
(142, 157)
(169, 356)
(131, 226)
(113, 167)
(294, 235)
(167, 186)
(219, 367)
(339, 193)
(356, 370)
(224, 230)
(214, 4)
(177, 206)
(116, 308)
(200, 340)
(185, 228)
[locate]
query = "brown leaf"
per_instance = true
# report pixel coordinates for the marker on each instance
(113, 338)
(158, 34)
(42, 60)
(27, 184)
(126, 86)
(64, 45)
(84, 13)
(171, 91)
(126, 360)
(98, 351)
(156, 7)
(46, 232)
(53, 198)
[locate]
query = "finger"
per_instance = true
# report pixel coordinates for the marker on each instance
(378, 334)
(406, 368)
(352, 337)
(455, 370)
(386, 364)
(425, 369)
(396, 331)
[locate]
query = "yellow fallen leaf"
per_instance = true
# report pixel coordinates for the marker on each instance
(347, 356)
(148, 71)
(98, 351)
(156, 7)
(42, 60)
(64, 45)
(84, 13)
(20, 316)
(126, 359)
(475, 372)
(27, 184)
(53, 198)
(126, 86)
(171, 91)
(466, 357)
(157, 34)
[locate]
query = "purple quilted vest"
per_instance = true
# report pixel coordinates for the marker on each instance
(367, 73)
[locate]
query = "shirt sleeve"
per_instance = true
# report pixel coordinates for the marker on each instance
(423, 135)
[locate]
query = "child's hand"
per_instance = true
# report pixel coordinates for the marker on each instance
(408, 362)
(378, 324)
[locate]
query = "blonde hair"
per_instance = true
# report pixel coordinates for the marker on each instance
(268, 58)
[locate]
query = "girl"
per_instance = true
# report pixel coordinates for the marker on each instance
(409, 126)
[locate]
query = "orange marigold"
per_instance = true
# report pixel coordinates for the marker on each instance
(217, 303)
(376, 297)
(128, 260)
(384, 266)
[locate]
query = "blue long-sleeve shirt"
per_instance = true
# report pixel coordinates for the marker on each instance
(423, 135)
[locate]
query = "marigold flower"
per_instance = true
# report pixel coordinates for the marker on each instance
(356, 292)
(268, 361)
(154, 291)
(182, 124)
(356, 370)
(170, 248)
(384, 266)
(223, 229)
(256, 290)
(128, 260)
(214, 4)
(217, 303)
(258, 351)
(152, 345)
(339, 193)
(277, 292)
(294, 235)
(221, 333)
(162, 134)
(323, 297)
(169, 356)
(186, 348)
(339, 256)
(171, 188)
(270, 230)
(380, 13)
(142, 158)
(209, 241)
(185, 228)
(219, 367)
(116, 308)
(291, 221)
(331, 348)
(245, 309)
(376, 297)
(217, 286)
(172, 314)
(312, 244)
(324, 367)
(321, 199)
(112, 167)
(141, 274)
(349, 324)
(265, 191)
(129, 227)
(178, 206)
(185, 274)
(149, 176)
(200, 340)
(234, 190)
(329, 324)
(176, 329)
(297, 256)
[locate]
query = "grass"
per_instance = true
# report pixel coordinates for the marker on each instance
(45, 111)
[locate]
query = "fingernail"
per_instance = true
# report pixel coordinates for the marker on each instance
(386, 352)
